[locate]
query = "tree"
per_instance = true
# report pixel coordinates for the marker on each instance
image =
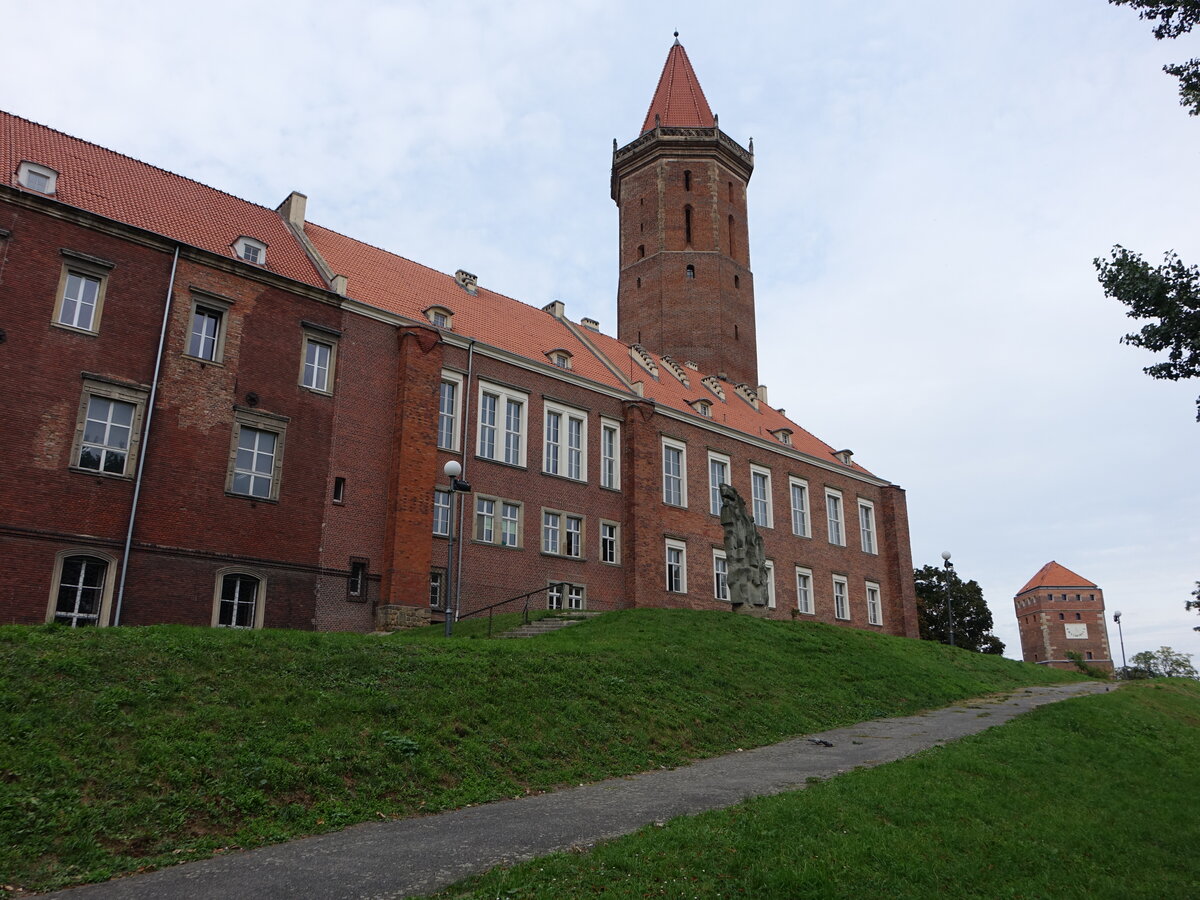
(1194, 604)
(1165, 663)
(1175, 18)
(972, 618)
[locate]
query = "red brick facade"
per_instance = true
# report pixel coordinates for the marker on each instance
(1058, 613)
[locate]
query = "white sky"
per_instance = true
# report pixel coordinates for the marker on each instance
(933, 179)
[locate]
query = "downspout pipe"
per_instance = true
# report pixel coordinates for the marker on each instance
(145, 444)
(463, 452)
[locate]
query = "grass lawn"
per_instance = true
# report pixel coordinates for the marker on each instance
(140, 747)
(1094, 797)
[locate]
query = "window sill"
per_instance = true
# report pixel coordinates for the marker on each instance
(496, 544)
(113, 476)
(605, 487)
(74, 330)
(500, 462)
(317, 391)
(272, 500)
(564, 477)
(219, 363)
(563, 556)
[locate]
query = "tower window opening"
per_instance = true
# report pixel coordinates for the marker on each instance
(639, 282)
(731, 192)
(641, 251)
(735, 332)
(687, 225)
(732, 247)
(737, 282)
(687, 180)
(690, 272)
(642, 227)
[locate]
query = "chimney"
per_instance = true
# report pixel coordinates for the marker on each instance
(466, 281)
(293, 208)
(556, 308)
(762, 394)
(590, 324)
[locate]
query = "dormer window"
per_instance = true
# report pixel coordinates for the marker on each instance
(784, 436)
(704, 407)
(440, 317)
(37, 177)
(251, 250)
(560, 358)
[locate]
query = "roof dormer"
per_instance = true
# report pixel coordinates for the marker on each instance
(783, 435)
(704, 407)
(250, 250)
(440, 316)
(561, 358)
(37, 177)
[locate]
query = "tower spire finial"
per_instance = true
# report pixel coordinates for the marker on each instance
(676, 37)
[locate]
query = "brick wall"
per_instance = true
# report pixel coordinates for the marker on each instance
(1043, 617)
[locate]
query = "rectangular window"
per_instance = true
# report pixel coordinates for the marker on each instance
(770, 567)
(437, 588)
(760, 492)
(866, 522)
(339, 490)
(510, 524)
(441, 513)
(804, 595)
(317, 368)
(205, 334)
(566, 445)
(108, 430)
(800, 522)
(610, 458)
(449, 394)
(502, 424)
(610, 548)
(560, 593)
(80, 297)
(551, 532)
(237, 605)
(676, 567)
(674, 473)
(487, 425)
(514, 428)
(833, 513)
(575, 596)
(256, 454)
(718, 474)
(841, 598)
(720, 575)
(574, 535)
(356, 584)
(485, 520)
(874, 607)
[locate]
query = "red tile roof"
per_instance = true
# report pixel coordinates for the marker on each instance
(678, 100)
(118, 187)
(1054, 575)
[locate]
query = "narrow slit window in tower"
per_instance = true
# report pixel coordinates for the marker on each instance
(737, 282)
(687, 225)
(690, 272)
(687, 180)
(735, 332)
(731, 192)
(732, 247)
(641, 251)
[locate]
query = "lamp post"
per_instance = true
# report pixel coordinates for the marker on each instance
(1121, 633)
(949, 571)
(452, 470)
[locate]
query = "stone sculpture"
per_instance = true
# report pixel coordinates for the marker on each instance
(745, 557)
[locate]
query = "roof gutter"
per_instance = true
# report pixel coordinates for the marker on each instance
(141, 463)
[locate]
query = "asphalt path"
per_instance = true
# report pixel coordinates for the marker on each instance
(418, 856)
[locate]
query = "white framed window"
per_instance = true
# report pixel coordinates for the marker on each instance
(866, 525)
(256, 454)
(561, 594)
(498, 521)
(79, 300)
(565, 438)
(37, 177)
(804, 591)
(760, 493)
(437, 588)
(610, 542)
(449, 410)
(718, 474)
(81, 588)
(318, 362)
(674, 457)
(108, 429)
(720, 575)
(251, 250)
(502, 424)
(356, 582)
(769, 565)
(485, 520)
(204, 337)
(874, 606)
(841, 598)
(510, 524)
(441, 513)
(239, 599)
(562, 534)
(610, 454)
(560, 358)
(551, 532)
(798, 489)
(440, 317)
(574, 536)
(676, 566)
(833, 515)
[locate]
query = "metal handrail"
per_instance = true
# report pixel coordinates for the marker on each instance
(561, 585)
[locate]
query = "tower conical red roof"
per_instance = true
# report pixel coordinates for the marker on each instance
(678, 100)
(1054, 575)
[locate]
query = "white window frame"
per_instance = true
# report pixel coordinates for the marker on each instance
(841, 600)
(314, 338)
(561, 530)
(680, 548)
(258, 421)
(437, 588)
(79, 265)
(714, 487)
(106, 587)
(501, 427)
(245, 244)
(762, 475)
(575, 598)
(485, 519)
(720, 570)
(454, 416)
(560, 457)
(610, 465)
(213, 306)
(260, 596)
(27, 169)
(95, 386)
(610, 536)
(866, 527)
(573, 536)
(874, 604)
(804, 592)
(434, 313)
(438, 495)
(504, 532)
(835, 525)
(769, 565)
(801, 515)
(668, 496)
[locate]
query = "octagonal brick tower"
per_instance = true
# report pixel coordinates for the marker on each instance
(1059, 611)
(685, 288)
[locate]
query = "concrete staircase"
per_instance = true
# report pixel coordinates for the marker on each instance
(564, 619)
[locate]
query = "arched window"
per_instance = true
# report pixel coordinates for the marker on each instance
(238, 600)
(641, 251)
(737, 282)
(687, 225)
(690, 272)
(81, 590)
(687, 180)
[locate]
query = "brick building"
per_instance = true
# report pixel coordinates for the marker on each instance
(233, 416)
(1059, 612)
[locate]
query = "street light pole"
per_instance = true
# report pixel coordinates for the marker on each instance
(949, 571)
(452, 470)
(1121, 633)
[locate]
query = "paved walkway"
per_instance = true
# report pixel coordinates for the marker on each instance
(422, 855)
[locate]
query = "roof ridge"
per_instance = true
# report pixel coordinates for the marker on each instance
(136, 161)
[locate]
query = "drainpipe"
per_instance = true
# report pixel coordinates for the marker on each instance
(463, 450)
(141, 464)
